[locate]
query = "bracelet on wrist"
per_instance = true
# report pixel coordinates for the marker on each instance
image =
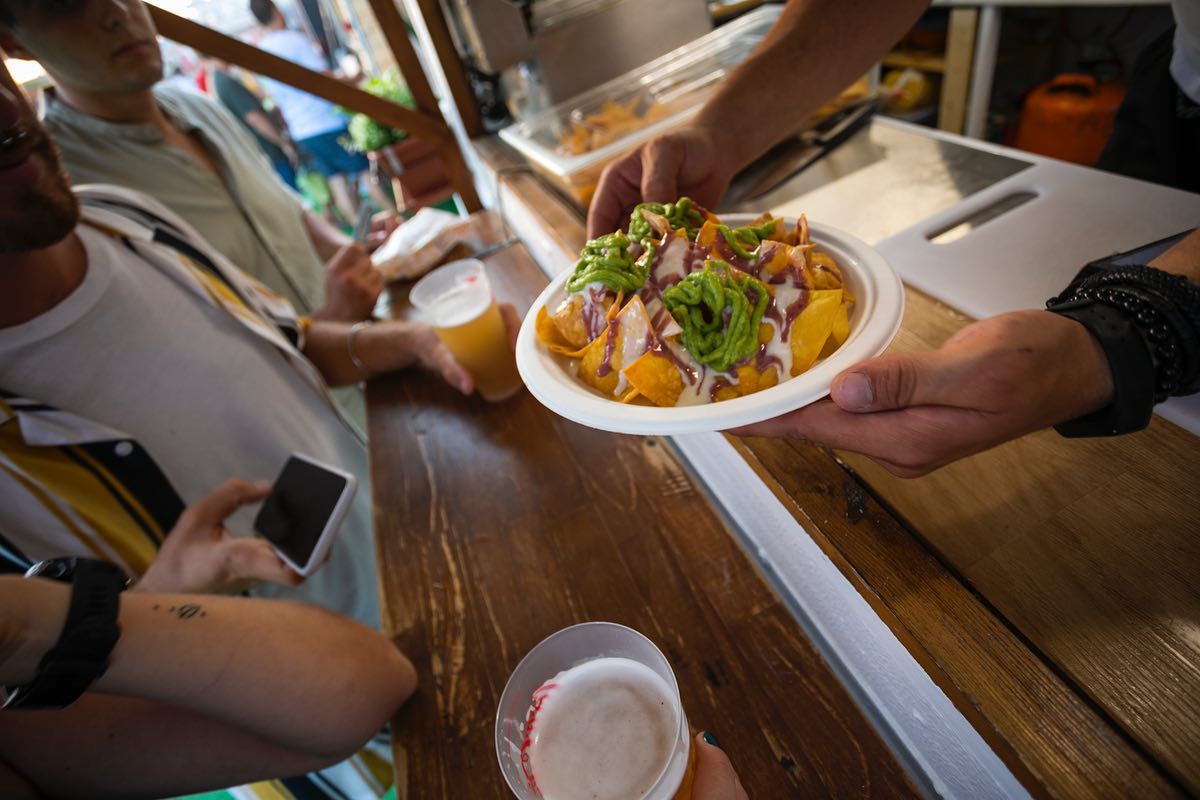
(1148, 324)
(354, 359)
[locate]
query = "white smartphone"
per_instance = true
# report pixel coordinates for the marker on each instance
(304, 511)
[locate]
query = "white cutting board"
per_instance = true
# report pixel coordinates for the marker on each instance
(1030, 253)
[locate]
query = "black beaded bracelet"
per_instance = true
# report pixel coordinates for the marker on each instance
(1148, 307)
(1178, 291)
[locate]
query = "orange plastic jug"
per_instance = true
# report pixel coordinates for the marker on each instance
(1070, 118)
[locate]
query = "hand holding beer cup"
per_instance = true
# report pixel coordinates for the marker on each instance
(456, 300)
(715, 777)
(593, 713)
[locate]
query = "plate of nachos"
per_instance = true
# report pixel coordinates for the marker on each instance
(691, 322)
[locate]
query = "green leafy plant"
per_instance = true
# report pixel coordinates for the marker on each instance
(367, 134)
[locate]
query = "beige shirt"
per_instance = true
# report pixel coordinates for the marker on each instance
(247, 214)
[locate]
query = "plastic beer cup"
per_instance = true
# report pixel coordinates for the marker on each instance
(568, 649)
(456, 299)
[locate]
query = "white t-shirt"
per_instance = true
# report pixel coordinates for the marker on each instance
(306, 114)
(1185, 62)
(132, 350)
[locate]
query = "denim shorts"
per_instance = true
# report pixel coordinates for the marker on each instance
(327, 156)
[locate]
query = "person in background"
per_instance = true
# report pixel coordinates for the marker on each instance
(994, 380)
(272, 138)
(317, 125)
(115, 123)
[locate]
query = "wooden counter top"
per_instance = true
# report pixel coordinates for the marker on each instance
(500, 524)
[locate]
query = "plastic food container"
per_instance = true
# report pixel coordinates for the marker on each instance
(572, 142)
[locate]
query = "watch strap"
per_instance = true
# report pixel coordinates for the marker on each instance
(88, 636)
(1132, 367)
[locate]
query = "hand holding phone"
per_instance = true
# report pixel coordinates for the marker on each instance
(304, 511)
(200, 556)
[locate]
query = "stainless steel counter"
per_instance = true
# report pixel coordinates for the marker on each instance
(885, 179)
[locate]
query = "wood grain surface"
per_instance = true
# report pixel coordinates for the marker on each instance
(1055, 741)
(499, 524)
(1090, 548)
(1047, 586)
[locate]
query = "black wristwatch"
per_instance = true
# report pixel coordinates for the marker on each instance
(88, 636)
(1132, 371)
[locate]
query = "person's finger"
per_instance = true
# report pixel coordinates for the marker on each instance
(715, 777)
(907, 442)
(211, 510)
(253, 560)
(512, 323)
(619, 190)
(348, 258)
(662, 161)
(385, 221)
(901, 380)
(377, 281)
(439, 357)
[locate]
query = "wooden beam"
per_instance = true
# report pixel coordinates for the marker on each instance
(425, 124)
(452, 66)
(396, 33)
(213, 43)
(956, 80)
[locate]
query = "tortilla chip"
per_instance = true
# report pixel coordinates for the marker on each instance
(708, 234)
(568, 318)
(632, 326)
(654, 376)
(841, 330)
(751, 380)
(593, 357)
(726, 393)
(780, 259)
(630, 396)
(825, 272)
(549, 335)
(813, 327)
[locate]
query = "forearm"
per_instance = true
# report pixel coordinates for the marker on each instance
(292, 674)
(816, 49)
(326, 239)
(381, 347)
(123, 747)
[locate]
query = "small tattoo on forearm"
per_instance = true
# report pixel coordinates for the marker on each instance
(185, 611)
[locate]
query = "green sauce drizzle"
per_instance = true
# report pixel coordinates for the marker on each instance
(681, 214)
(699, 303)
(732, 238)
(606, 260)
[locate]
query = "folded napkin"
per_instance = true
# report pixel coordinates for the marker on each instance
(421, 242)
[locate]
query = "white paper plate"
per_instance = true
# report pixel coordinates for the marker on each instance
(878, 309)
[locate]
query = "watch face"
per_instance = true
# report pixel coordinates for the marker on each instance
(55, 569)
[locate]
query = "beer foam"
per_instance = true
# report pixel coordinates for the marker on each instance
(602, 730)
(460, 305)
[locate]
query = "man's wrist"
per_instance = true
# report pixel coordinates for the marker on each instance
(32, 625)
(381, 346)
(1093, 381)
(352, 337)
